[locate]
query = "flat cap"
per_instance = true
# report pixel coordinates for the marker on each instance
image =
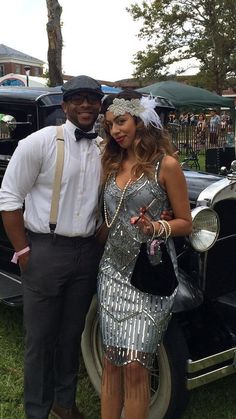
(81, 84)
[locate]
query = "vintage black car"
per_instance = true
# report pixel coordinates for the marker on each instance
(200, 343)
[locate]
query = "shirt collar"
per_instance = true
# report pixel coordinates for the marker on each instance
(72, 127)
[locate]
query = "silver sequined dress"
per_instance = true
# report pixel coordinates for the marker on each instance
(132, 322)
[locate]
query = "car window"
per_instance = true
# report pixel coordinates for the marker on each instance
(7, 125)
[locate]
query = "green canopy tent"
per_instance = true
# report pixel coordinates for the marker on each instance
(185, 96)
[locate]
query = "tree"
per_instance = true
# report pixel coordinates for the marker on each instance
(54, 43)
(184, 29)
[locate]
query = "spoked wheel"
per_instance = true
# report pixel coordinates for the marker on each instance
(168, 390)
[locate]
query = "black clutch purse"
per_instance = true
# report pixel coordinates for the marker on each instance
(157, 279)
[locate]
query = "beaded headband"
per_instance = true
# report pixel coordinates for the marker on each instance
(144, 108)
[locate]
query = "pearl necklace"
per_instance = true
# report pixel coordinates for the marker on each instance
(118, 208)
(109, 224)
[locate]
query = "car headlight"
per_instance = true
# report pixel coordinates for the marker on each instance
(206, 227)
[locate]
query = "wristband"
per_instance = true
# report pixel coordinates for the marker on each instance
(21, 252)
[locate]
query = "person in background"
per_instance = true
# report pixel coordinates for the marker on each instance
(192, 119)
(58, 265)
(171, 117)
(214, 127)
(185, 119)
(201, 130)
(223, 125)
(139, 171)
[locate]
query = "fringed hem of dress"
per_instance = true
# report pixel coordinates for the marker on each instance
(124, 356)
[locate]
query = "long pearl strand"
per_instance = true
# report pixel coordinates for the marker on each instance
(118, 208)
(120, 202)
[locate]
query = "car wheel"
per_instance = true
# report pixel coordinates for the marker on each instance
(168, 377)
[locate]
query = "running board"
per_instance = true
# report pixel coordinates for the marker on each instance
(10, 285)
(211, 368)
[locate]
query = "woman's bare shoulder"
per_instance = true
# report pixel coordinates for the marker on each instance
(170, 162)
(170, 169)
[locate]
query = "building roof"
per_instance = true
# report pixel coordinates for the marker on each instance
(11, 53)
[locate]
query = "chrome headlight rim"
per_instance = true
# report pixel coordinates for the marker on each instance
(192, 237)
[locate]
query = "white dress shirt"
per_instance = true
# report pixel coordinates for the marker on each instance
(29, 177)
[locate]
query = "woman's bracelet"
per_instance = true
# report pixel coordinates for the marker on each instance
(168, 228)
(161, 230)
(154, 232)
(20, 253)
(164, 230)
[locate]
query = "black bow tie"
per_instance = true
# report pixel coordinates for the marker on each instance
(81, 134)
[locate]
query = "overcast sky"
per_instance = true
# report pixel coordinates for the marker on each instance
(99, 36)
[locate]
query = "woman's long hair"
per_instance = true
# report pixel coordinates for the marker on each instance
(153, 143)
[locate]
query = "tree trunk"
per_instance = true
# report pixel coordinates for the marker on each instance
(54, 43)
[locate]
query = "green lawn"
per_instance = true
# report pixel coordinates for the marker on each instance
(214, 401)
(201, 160)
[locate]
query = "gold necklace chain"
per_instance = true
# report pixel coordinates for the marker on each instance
(109, 224)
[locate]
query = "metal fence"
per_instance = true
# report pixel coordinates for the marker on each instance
(186, 139)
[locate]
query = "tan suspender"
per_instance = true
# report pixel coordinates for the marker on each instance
(57, 179)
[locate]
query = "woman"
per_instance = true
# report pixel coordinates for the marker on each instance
(139, 171)
(201, 130)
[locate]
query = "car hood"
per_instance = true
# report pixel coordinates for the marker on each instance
(198, 181)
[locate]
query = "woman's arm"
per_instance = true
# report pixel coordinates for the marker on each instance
(173, 180)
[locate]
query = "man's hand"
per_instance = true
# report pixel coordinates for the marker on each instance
(167, 215)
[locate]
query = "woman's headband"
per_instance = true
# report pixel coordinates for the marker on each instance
(144, 108)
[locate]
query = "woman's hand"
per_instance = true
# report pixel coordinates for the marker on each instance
(144, 224)
(167, 215)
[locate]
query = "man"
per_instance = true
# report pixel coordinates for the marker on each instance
(59, 268)
(214, 127)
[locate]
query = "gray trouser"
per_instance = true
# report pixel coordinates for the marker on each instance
(58, 285)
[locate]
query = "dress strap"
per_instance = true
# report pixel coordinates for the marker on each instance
(158, 166)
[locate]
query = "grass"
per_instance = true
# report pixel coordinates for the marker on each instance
(11, 370)
(201, 160)
(214, 401)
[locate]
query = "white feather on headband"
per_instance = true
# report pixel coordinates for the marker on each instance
(144, 108)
